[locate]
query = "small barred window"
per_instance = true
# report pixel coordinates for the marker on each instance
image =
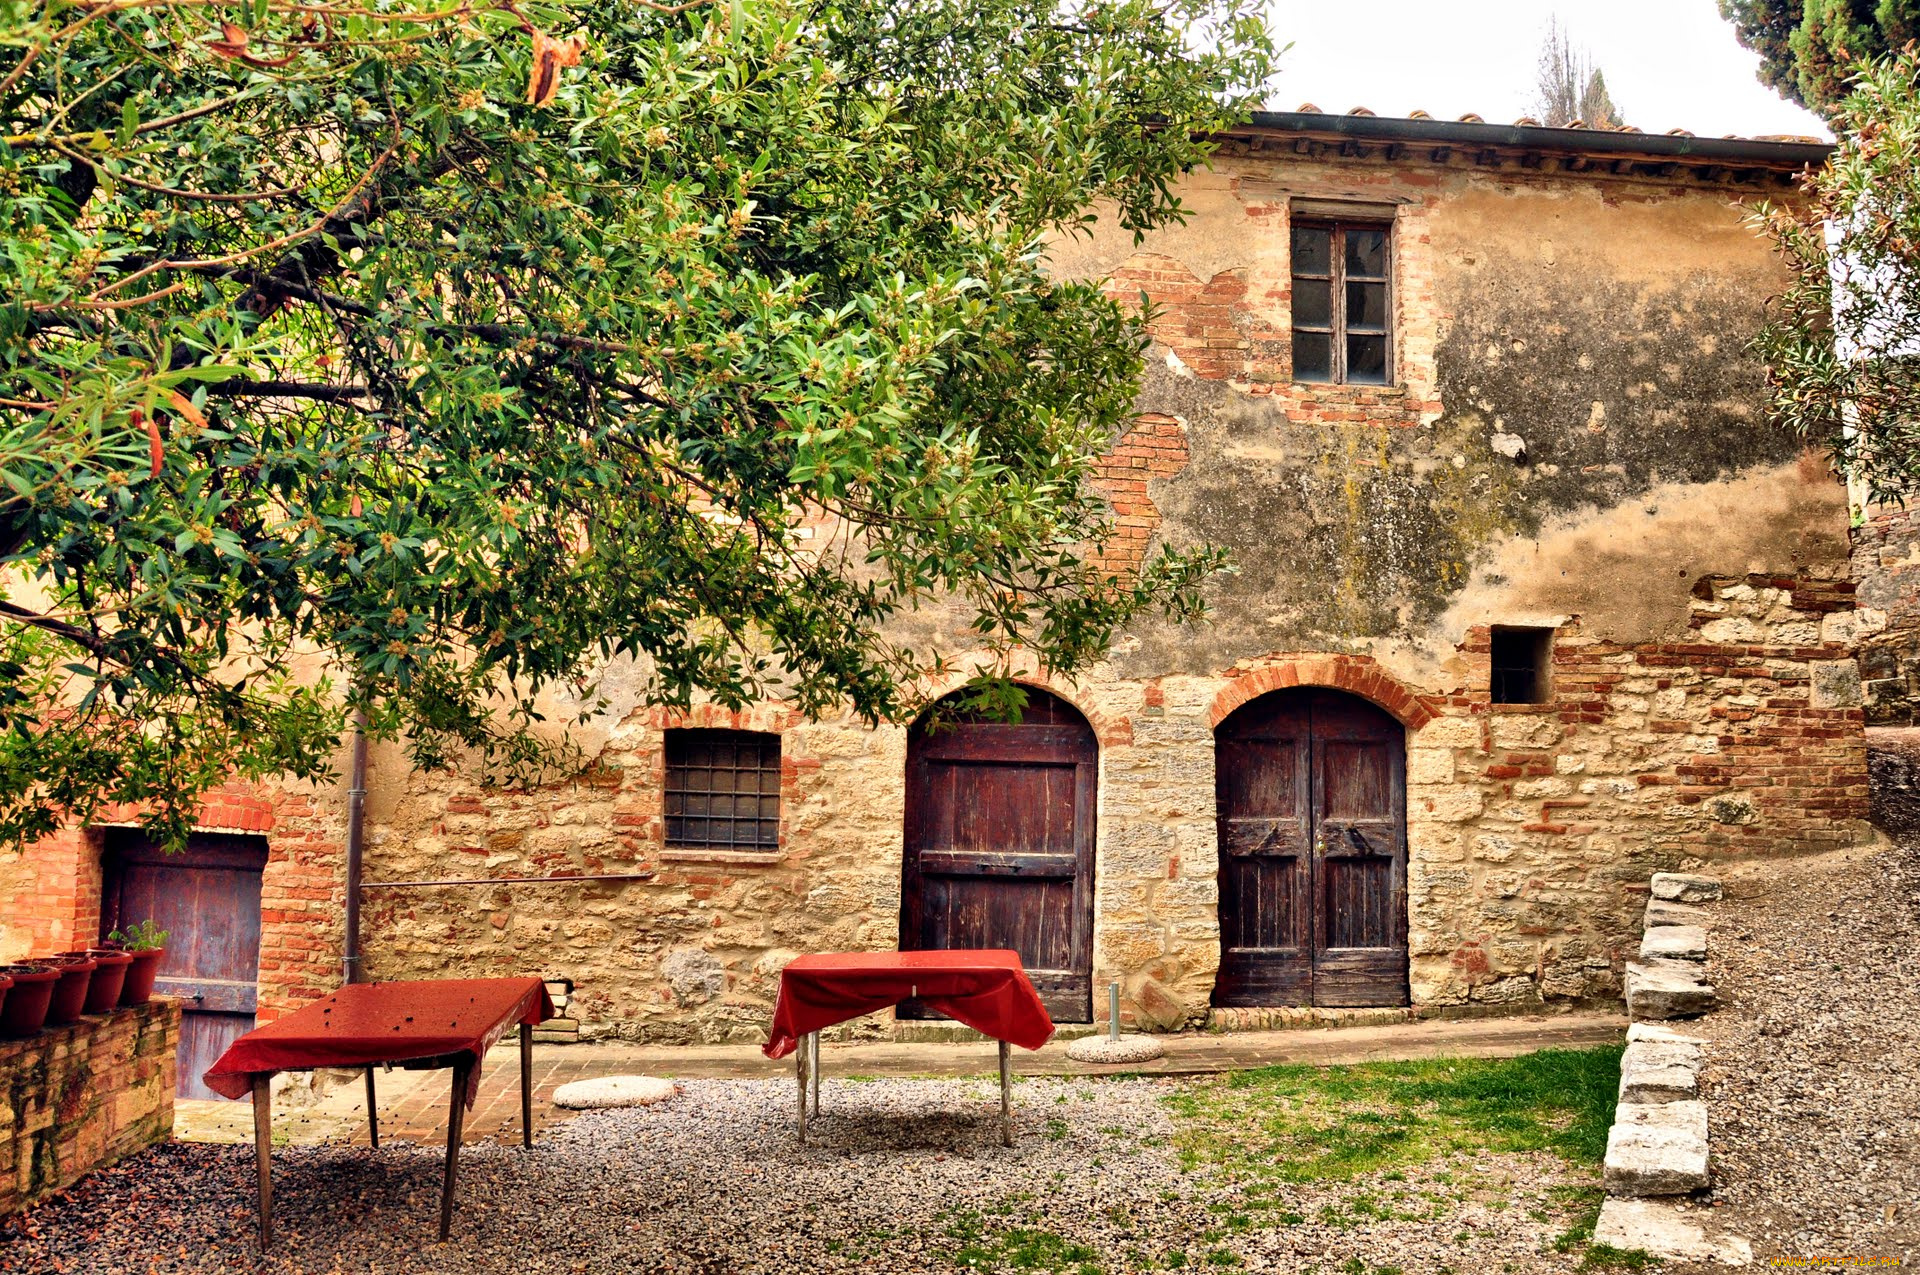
(723, 790)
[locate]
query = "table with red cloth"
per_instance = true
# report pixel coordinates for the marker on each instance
(986, 989)
(427, 1023)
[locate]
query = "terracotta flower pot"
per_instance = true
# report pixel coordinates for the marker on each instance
(24, 1011)
(109, 976)
(70, 991)
(138, 989)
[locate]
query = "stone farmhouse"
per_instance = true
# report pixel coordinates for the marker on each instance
(1531, 602)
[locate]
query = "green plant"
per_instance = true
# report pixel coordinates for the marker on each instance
(1840, 339)
(143, 936)
(474, 349)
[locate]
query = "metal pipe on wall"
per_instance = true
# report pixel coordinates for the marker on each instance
(401, 885)
(356, 820)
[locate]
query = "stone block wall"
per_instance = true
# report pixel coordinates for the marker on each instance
(1886, 567)
(1532, 828)
(82, 1096)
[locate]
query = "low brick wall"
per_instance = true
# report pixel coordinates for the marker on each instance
(83, 1096)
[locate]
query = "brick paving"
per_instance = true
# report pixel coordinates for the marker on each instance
(413, 1105)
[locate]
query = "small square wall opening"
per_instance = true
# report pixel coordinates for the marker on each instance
(1522, 664)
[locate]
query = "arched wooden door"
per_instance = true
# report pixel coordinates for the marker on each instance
(1312, 798)
(999, 845)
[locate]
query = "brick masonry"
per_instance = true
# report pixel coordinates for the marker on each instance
(83, 1096)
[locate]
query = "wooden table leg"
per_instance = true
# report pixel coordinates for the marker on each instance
(1006, 1097)
(456, 1120)
(800, 1075)
(814, 1067)
(526, 1085)
(373, 1113)
(263, 1154)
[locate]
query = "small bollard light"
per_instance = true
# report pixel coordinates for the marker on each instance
(1113, 1011)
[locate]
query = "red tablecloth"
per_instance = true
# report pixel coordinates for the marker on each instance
(367, 1023)
(987, 990)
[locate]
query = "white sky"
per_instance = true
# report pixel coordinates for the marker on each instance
(1668, 63)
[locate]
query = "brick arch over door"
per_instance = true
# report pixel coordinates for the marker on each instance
(1358, 675)
(999, 841)
(1310, 787)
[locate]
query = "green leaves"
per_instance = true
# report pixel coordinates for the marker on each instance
(475, 360)
(1843, 340)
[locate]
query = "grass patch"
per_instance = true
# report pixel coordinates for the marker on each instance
(1586, 1202)
(1309, 1124)
(1605, 1257)
(981, 1247)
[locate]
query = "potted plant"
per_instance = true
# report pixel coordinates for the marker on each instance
(146, 943)
(109, 976)
(24, 1011)
(75, 970)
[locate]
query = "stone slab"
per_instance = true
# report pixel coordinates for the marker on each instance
(1685, 887)
(1659, 1071)
(1661, 990)
(614, 1091)
(1666, 912)
(1665, 1230)
(1103, 1049)
(1674, 943)
(1662, 1033)
(1657, 1149)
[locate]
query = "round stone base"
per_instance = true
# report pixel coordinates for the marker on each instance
(1103, 1049)
(614, 1091)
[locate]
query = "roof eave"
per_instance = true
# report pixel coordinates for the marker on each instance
(1785, 156)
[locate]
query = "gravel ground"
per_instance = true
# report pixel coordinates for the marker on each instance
(1813, 1070)
(905, 1176)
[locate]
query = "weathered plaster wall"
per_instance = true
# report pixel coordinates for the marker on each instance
(1574, 361)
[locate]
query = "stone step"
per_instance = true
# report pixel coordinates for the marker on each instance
(1661, 1033)
(557, 1031)
(1657, 1149)
(1674, 943)
(1659, 1071)
(1660, 990)
(1666, 1230)
(1684, 887)
(1667, 912)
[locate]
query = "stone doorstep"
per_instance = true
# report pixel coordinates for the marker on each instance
(1659, 1071)
(1666, 912)
(1684, 887)
(1663, 989)
(1657, 1149)
(1665, 1230)
(1675, 943)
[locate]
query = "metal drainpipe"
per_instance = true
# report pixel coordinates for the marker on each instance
(356, 814)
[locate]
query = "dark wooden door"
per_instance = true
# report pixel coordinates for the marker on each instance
(1311, 786)
(999, 846)
(208, 898)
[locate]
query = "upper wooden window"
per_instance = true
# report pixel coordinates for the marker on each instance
(723, 790)
(1343, 302)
